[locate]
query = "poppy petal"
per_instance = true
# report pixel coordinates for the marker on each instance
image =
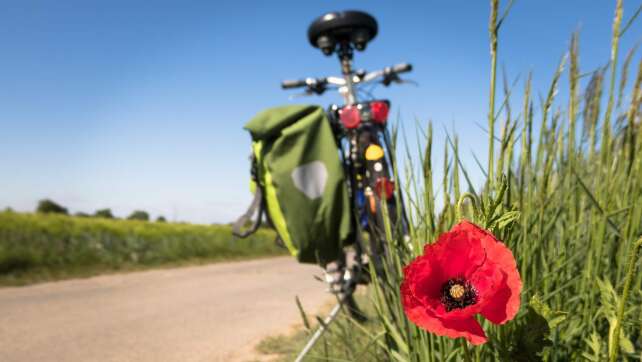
(496, 309)
(458, 253)
(423, 280)
(504, 304)
(468, 328)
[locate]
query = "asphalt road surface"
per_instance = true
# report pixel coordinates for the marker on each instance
(206, 313)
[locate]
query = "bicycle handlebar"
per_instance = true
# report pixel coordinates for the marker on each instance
(288, 84)
(401, 68)
(318, 85)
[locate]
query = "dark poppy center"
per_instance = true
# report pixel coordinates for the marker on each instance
(457, 293)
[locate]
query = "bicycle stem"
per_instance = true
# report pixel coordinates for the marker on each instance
(345, 56)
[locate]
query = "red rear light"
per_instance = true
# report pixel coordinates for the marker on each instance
(384, 185)
(379, 111)
(350, 116)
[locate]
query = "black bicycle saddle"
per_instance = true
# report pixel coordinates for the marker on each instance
(345, 27)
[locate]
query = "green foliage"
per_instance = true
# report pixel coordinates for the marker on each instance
(531, 337)
(161, 218)
(104, 213)
(139, 215)
(533, 332)
(46, 246)
(345, 339)
(47, 206)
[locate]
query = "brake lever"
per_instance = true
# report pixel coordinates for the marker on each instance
(317, 87)
(408, 81)
(395, 79)
(390, 78)
(307, 93)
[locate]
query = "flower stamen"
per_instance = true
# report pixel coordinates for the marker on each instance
(457, 293)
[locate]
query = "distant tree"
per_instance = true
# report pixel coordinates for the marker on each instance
(81, 214)
(104, 213)
(8, 209)
(139, 215)
(47, 206)
(161, 219)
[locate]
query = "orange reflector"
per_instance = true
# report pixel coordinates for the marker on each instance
(373, 204)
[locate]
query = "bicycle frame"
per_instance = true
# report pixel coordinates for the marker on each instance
(347, 90)
(362, 126)
(356, 180)
(361, 134)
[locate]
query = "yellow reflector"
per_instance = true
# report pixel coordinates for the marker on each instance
(374, 152)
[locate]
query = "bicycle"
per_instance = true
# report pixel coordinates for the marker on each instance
(360, 129)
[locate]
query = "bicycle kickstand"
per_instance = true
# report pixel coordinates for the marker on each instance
(320, 330)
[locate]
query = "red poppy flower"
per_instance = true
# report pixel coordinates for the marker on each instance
(466, 272)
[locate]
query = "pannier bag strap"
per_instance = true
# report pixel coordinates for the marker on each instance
(257, 203)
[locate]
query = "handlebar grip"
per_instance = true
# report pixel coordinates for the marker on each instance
(402, 68)
(287, 84)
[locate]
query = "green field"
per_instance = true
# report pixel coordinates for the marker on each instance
(38, 247)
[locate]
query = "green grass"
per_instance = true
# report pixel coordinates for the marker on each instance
(563, 191)
(339, 343)
(39, 247)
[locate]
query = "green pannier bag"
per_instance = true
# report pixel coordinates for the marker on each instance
(299, 182)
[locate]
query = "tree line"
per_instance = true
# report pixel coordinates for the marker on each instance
(47, 206)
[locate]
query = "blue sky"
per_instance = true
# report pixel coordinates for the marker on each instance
(140, 105)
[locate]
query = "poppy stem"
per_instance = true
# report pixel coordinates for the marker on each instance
(461, 204)
(467, 357)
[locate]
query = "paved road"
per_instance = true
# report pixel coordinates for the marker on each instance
(205, 313)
